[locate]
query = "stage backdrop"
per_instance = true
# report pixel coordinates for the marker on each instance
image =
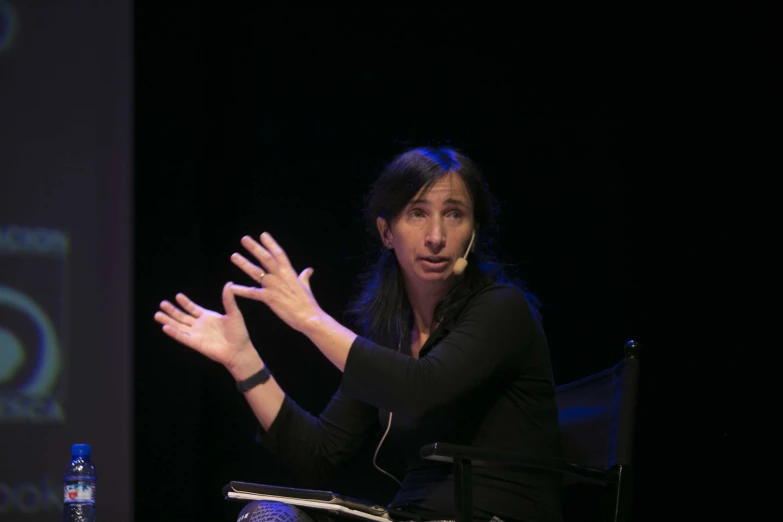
(278, 120)
(65, 246)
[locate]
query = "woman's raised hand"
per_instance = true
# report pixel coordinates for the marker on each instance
(222, 338)
(287, 294)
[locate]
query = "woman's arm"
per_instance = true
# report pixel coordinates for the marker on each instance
(496, 332)
(224, 339)
(311, 446)
(265, 399)
(495, 337)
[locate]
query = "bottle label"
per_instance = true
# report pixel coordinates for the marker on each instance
(79, 492)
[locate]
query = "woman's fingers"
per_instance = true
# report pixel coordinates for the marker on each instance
(229, 300)
(176, 313)
(163, 318)
(276, 250)
(305, 276)
(173, 327)
(189, 306)
(177, 335)
(249, 292)
(271, 257)
(267, 261)
(247, 267)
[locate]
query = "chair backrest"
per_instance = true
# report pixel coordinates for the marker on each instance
(597, 414)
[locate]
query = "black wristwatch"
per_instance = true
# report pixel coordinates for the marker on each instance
(254, 380)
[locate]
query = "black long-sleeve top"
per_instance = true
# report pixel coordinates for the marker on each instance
(483, 378)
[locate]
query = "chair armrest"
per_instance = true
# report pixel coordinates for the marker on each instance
(485, 457)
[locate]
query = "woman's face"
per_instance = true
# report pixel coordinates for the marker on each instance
(432, 231)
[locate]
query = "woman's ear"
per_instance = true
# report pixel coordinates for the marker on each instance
(384, 231)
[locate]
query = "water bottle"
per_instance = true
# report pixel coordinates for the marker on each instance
(79, 478)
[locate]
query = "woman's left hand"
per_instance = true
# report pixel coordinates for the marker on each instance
(286, 293)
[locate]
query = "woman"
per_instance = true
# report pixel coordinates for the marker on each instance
(439, 351)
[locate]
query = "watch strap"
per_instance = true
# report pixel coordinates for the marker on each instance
(260, 377)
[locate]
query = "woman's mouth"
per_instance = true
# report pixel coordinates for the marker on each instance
(435, 263)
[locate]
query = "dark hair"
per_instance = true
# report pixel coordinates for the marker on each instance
(382, 311)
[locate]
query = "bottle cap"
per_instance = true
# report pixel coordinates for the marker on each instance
(80, 450)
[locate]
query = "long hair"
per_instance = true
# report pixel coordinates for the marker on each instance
(381, 311)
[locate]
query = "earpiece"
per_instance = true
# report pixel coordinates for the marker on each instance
(462, 263)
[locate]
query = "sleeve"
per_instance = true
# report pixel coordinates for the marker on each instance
(312, 447)
(489, 337)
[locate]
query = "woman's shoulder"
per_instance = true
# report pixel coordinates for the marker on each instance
(502, 300)
(501, 295)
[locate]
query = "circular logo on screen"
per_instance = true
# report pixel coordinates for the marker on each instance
(8, 25)
(29, 359)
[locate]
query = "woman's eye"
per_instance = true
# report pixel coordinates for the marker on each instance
(416, 213)
(455, 214)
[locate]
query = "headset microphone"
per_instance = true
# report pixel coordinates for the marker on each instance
(462, 263)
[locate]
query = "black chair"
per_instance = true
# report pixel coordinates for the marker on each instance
(597, 416)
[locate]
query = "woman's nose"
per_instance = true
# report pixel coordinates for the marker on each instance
(435, 236)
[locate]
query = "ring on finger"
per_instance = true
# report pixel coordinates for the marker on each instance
(261, 277)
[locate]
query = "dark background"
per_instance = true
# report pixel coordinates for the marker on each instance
(265, 120)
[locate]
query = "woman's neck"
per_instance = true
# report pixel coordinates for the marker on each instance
(423, 300)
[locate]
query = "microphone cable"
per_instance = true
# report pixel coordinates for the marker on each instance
(388, 427)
